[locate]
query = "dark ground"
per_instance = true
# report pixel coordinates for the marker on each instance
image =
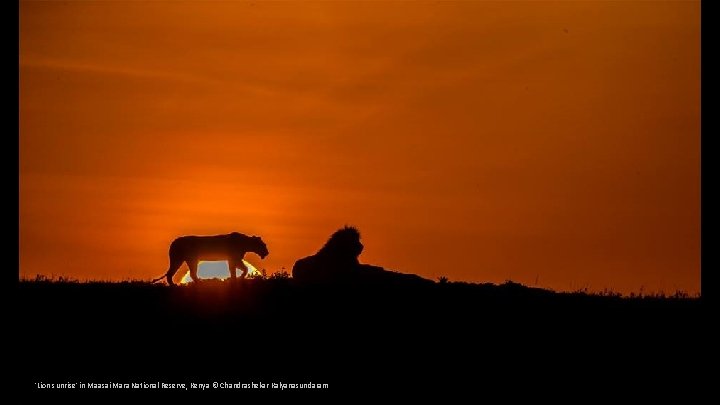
(358, 338)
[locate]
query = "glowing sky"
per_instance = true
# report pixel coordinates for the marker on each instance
(482, 141)
(218, 270)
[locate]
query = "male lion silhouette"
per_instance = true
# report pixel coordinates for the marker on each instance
(338, 260)
(231, 247)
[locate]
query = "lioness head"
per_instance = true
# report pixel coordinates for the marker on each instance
(260, 248)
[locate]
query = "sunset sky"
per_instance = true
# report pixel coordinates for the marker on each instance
(549, 143)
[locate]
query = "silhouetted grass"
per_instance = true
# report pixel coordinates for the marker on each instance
(508, 287)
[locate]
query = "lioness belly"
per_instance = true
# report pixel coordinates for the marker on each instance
(207, 248)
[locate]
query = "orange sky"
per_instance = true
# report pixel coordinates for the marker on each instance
(483, 141)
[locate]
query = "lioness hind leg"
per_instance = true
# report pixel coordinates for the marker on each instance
(193, 265)
(174, 266)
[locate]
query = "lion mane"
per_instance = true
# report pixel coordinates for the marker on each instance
(336, 260)
(231, 247)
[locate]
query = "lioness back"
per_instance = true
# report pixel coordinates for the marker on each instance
(215, 247)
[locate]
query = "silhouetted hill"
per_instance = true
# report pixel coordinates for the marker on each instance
(275, 328)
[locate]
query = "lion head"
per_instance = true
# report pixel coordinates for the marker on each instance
(343, 245)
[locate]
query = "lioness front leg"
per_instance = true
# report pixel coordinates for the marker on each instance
(244, 268)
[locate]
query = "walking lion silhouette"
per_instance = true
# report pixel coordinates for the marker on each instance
(231, 247)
